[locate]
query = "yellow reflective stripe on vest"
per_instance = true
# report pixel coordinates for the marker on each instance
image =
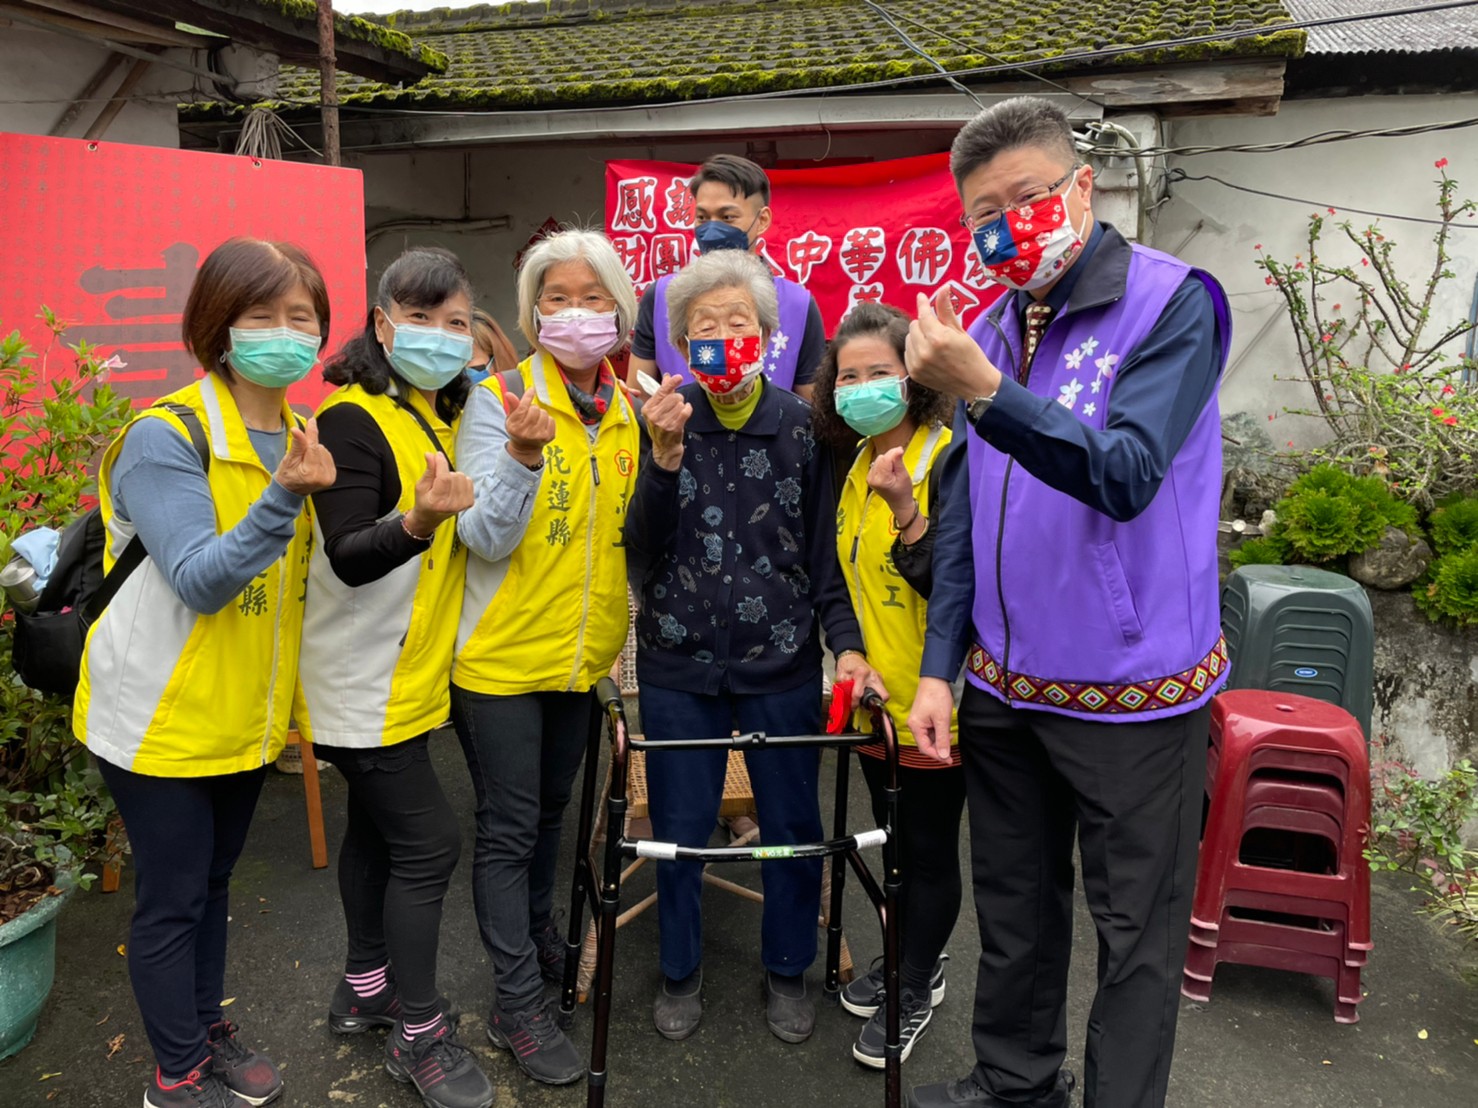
(892, 616)
(552, 616)
(168, 692)
(376, 658)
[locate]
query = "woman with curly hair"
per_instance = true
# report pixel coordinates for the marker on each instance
(883, 543)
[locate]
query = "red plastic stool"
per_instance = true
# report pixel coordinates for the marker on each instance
(1267, 733)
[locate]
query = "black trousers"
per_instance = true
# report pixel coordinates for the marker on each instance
(930, 804)
(1132, 794)
(401, 844)
(186, 834)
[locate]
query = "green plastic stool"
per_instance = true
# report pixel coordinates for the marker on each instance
(1301, 630)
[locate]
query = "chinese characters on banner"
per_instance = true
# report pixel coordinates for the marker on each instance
(109, 236)
(883, 231)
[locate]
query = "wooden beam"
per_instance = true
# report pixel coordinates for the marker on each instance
(158, 32)
(290, 37)
(1170, 87)
(328, 89)
(111, 109)
(90, 27)
(89, 90)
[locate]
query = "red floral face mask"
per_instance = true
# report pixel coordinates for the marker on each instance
(722, 365)
(1026, 248)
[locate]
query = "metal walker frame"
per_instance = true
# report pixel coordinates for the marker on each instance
(600, 888)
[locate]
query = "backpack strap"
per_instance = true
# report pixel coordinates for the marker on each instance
(134, 553)
(430, 434)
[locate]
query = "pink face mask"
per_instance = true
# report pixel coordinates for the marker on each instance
(577, 337)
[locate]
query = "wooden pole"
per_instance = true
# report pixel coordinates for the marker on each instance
(329, 93)
(119, 101)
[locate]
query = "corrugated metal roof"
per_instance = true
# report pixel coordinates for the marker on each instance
(1426, 32)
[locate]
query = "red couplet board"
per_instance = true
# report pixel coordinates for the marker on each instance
(878, 231)
(109, 236)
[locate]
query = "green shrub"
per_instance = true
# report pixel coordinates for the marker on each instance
(1451, 589)
(1266, 551)
(1454, 525)
(1327, 515)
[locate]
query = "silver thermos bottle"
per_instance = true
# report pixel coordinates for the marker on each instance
(18, 582)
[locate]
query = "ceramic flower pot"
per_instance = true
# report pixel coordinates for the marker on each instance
(27, 966)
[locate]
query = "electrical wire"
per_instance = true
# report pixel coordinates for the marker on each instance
(1317, 139)
(907, 41)
(996, 57)
(1176, 175)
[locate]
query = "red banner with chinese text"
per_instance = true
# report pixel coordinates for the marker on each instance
(880, 231)
(109, 236)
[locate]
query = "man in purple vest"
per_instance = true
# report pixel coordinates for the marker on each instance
(731, 198)
(1075, 576)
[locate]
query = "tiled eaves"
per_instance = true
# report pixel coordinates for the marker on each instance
(692, 51)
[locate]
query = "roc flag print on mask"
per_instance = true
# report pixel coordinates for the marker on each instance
(722, 365)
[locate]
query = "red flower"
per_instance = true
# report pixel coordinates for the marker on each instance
(1257, 246)
(1298, 265)
(1290, 442)
(1437, 412)
(1331, 211)
(1268, 281)
(1326, 337)
(1272, 416)
(1364, 261)
(1336, 307)
(1448, 390)
(1440, 163)
(1451, 421)
(1403, 367)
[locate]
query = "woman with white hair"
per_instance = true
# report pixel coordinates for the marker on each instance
(551, 449)
(732, 536)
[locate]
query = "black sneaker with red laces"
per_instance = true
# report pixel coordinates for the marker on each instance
(251, 1076)
(202, 1087)
(442, 1069)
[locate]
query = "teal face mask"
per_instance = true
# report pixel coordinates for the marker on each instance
(872, 407)
(428, 357)
(273, 357)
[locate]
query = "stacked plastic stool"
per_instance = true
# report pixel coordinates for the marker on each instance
(1283, 881)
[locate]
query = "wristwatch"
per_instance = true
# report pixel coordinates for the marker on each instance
(977, 407)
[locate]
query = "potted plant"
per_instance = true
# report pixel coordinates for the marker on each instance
(54, 809)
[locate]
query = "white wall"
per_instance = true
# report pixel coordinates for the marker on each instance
(1216, 227)
(46, 71)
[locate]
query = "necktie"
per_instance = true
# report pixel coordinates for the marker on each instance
(1037, 317)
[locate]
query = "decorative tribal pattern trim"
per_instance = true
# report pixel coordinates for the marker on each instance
(910, 757)
(1155, 694)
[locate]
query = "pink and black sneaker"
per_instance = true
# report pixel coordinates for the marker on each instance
(441, 1068)
(349, 1013)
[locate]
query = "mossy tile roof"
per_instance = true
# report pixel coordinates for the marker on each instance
(586, 52)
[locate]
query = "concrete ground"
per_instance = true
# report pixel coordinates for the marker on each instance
(1265, 1041)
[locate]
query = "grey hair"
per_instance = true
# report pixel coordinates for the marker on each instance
(1010, 125)
(722, 269)
(569, 245)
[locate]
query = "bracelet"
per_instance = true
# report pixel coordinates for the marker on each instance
(406, 527)
(918, 510)
(844, 653)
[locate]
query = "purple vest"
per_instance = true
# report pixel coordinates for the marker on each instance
(785, 344)
(1076, 613)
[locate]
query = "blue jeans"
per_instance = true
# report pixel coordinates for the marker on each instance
(684, 788)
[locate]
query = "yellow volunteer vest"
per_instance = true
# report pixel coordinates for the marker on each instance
(168, 692)
(552, 617)
(891, 614)
(377, 658)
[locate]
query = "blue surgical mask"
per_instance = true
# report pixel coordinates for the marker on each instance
(428, 357)
(872, 407)
(273, 357)
(718, 235)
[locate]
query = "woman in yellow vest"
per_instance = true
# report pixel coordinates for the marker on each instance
(186, 683)
(384, 593)
(552, 449)
(883, 544)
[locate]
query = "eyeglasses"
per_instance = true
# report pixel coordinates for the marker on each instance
(973, 220)
(593, 302)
